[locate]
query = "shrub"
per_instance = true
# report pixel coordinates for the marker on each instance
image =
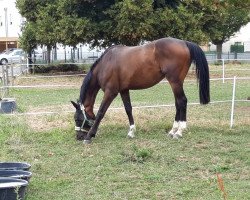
(237, 48)
(58, 68)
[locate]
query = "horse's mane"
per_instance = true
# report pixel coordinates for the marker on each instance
(88, 77)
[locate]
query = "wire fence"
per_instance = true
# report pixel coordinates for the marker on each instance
(8, 77)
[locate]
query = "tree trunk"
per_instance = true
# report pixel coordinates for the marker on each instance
(55, 52)
(48, 54)
(219, 51)
(30, 69)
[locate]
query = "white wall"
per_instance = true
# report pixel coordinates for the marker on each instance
(13, 19)
(242, 36)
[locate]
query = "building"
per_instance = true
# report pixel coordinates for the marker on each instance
(10, 24)
(243, 36)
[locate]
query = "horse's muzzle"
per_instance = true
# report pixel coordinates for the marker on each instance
(80, 135)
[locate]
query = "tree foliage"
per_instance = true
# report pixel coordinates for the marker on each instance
(129, 22)
(224, 19)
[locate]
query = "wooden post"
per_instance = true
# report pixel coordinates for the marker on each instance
(12, 75)
(7, 79)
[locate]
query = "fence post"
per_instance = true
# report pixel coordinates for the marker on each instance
(3, 74)
(7, 75)
(223, 70)
(233, 99)
(12, 75)
(27, 66)
(5, 80)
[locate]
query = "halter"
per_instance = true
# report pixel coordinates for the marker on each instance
(90, 122)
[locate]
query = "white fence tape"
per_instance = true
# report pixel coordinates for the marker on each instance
(135, 107)
(77, 86)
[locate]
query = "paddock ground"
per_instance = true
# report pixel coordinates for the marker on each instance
(151, 166)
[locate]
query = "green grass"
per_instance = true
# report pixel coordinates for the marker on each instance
(151, 166)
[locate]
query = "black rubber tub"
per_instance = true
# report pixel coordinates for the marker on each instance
(14, 166)
(7, 105)
(12, 189)
(20, 174)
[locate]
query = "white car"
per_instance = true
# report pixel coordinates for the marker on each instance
(16, 56)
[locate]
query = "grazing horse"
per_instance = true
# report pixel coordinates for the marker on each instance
(122, 68)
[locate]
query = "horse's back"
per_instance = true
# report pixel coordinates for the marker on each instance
(140, 67)
(130, 67)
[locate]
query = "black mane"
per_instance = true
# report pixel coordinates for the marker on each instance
(88, 77)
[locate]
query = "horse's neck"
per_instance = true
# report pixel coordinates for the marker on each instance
(90, 100)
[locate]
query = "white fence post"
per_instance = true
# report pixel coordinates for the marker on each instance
(223, 70)
(233, 98)
(27, 66)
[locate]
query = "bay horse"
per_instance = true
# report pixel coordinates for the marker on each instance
(123, 68)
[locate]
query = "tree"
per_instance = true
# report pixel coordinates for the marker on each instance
(182, 22)
(82, 21)
(29, 9)
(42, 19)
(165, 3)
(223, 19)
(28, 40)
(129, 22)
(47, 27)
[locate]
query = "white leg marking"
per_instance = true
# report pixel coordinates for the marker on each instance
(182, 127)
(174, 129)
(131, 133)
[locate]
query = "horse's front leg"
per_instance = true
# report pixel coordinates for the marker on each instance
(128, 108)
(107, 100)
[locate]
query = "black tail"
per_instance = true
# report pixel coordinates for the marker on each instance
(202, 71)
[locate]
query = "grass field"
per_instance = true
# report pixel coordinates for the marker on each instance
(151, 166)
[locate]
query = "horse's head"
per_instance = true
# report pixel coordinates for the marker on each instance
(82, 121)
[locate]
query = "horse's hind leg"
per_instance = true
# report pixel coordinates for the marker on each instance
(107, 99)
(181, 110)
(127, 104)
(176, 121)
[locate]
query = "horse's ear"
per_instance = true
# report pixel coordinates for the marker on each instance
(77, 106)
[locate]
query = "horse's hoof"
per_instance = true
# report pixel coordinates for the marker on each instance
(177, 136)
(86, 141)
(171, 133)
(131, 135)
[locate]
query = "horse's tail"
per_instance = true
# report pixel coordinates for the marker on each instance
(202, 71)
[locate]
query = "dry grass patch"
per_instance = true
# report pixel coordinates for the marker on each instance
(49, 122)
(33, 80)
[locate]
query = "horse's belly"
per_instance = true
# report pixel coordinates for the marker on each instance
(143, 82)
